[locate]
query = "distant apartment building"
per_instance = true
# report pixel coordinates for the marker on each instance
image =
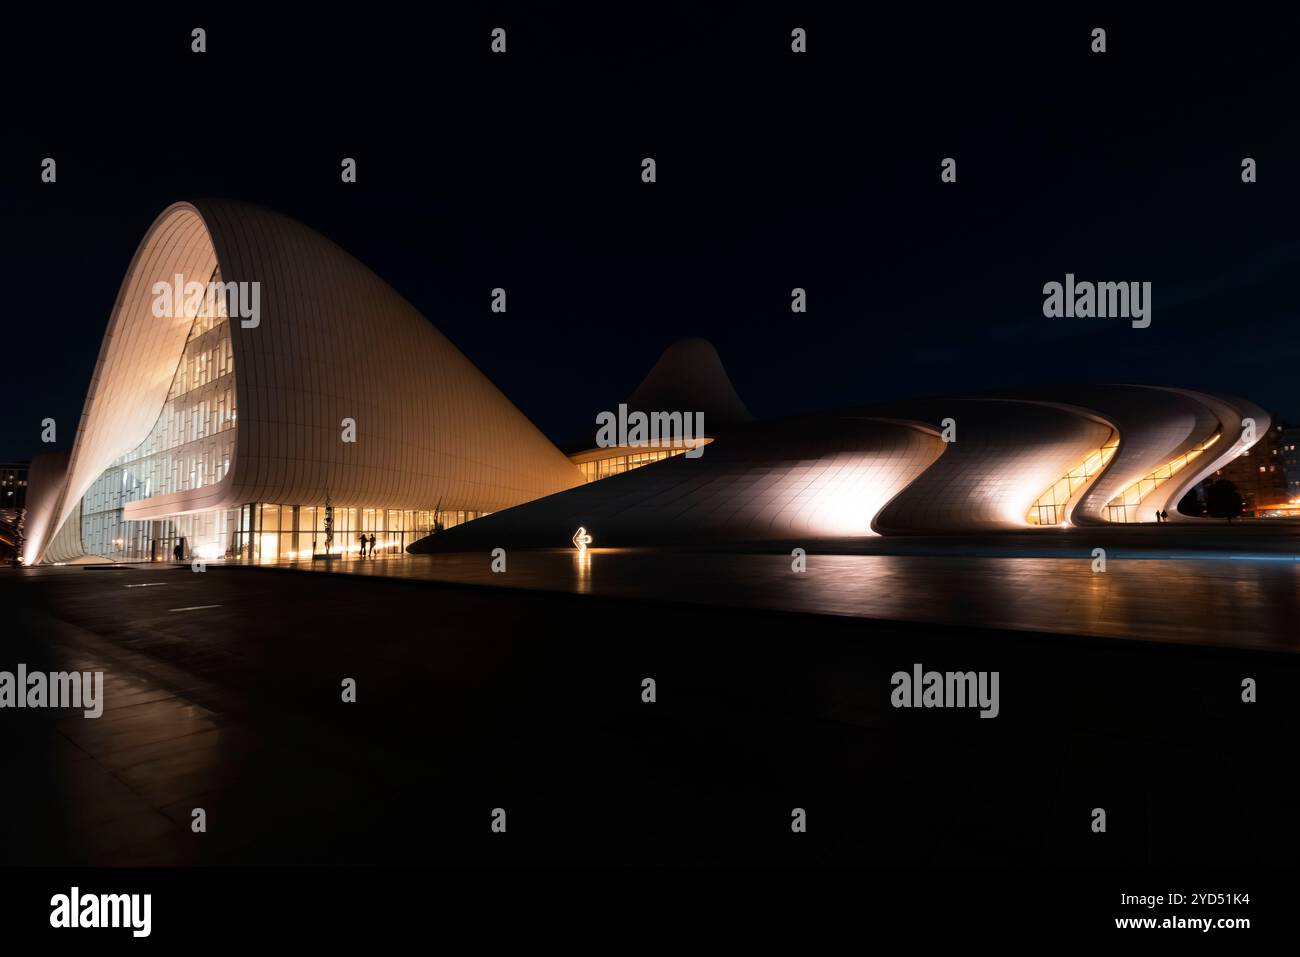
(1291, 461)
(13, 486)
(1260, 472)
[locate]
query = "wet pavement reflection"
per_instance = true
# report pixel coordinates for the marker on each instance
(1228, 601)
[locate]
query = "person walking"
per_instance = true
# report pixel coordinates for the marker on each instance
(363, 544)
(372, 544)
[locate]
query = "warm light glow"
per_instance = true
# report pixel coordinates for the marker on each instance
(581, 539)
(209, 552)
(844, 507)
(1123, 507)
(604, 463)
(582, 565)
(1051, 505)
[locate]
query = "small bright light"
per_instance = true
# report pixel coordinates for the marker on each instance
(581, 538)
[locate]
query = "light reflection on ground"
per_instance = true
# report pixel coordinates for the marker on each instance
(1214, 600)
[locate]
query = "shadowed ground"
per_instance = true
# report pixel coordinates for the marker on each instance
(472, 698)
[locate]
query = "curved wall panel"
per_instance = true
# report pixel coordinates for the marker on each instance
(689, 376)
(66, 545)
(805, 479)
(1006, 454)
(1231, 413)
(336, 342)
(137, 358)
(1155, 426)
(45, 481)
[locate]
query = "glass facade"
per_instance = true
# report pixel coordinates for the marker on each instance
(263, 532)
(623, 461)
(1050, 508)
(270, 533)
(1124, 507)
(192, 446)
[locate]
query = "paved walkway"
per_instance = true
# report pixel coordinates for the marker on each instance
(223, 692)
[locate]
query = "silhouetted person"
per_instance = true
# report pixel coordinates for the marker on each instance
(1164, 517)
(372, 544)
(179, 552)
(363, 546)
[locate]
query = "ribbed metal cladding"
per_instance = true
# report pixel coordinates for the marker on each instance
(819, 477)
(1156, 426)
(45, 482)
(137, 359)
(806, 478)
(333, 342)
(1005, 455)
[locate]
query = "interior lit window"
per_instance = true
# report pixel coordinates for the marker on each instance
(1050, 507)
(1124, 507)
(621, 461)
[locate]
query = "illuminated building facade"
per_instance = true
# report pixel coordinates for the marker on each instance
(1053, 457)
(13, 486)
(1290, 454)
(228, 431)
(1260, 474)
(229, 425)
(691, 370)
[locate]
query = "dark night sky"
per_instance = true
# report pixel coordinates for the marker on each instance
(775, 171)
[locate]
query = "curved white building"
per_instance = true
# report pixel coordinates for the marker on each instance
(257, 386)
(818, 477)
(1058, 455)
(1050, 457)
(252, 371)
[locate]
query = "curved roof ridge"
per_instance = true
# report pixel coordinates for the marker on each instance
(689, 376)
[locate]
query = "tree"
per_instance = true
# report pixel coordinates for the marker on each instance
(1222, 500)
